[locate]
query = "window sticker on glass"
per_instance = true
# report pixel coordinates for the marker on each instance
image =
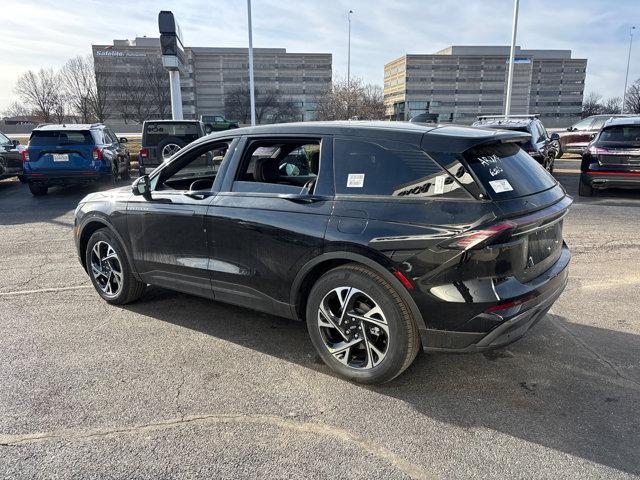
(439, 188)
(500, 186)
(355, 180)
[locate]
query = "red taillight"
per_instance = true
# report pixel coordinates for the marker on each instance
(509, 305)
(97, 153)
(474, 238)
(25, 155)
(144, 153)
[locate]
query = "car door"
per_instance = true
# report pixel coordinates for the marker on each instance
(269, 219)
(167, 231)
(579, 136)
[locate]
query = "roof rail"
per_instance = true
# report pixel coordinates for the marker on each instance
(505, 117)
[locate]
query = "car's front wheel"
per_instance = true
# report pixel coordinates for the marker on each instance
(109, 270)
(360, 325)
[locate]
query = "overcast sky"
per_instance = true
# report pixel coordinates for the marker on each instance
(47, 32)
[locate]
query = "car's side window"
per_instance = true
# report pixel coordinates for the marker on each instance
(195, 170)
(4, 140)
(583, 124)
(279, 166)
(390, 169)
(543, 132)
(599, 122)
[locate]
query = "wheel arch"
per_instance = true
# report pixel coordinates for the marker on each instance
(92, 225)
(314, 269)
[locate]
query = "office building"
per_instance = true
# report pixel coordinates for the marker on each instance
(460, 83)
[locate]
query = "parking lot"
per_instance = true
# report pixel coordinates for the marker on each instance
(174, 385)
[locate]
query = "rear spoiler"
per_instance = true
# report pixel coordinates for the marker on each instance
(457, 139)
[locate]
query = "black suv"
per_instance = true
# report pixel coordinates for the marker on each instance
(161, 139)
(10, 157)
(612, 159)
(383, 237)
(541, 146)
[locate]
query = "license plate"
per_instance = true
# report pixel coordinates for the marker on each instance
(60, 157)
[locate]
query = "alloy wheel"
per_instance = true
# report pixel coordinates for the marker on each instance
(106, 268)
(169, 150)
(353, 328)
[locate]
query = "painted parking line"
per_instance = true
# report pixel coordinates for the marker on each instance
(43, 290)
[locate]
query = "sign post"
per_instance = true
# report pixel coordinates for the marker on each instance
(172, 58)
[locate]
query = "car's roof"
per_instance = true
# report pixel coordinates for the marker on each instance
(68, 126)
(630, 120)
(438, 138)
(511, 123)
(172, 121)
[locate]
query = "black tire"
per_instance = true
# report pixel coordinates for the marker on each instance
(38, 189)
(403, 341)
(560, 153)
(551, 165)
(131, 288)
(169, 140)
(232, 126)
(584, 189)
(126, 175)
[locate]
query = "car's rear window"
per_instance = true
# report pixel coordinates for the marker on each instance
(506, 171)
(390, 169)
(156, 132)
(40, 138)
(620, 134)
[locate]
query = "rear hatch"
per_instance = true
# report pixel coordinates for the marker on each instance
(618, 147)
(529, 205)
(62, 152)
(155, 135)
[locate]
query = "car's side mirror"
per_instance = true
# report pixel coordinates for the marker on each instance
(15, 142)
(142, 187)
(123, 140)
(592, 136)
(555, 136)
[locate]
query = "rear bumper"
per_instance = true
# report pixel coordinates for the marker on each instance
(611, 179)
(510, 324)
(67, 179)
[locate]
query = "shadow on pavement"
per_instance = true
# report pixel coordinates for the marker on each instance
(555, 388)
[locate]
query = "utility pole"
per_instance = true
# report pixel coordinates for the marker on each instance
(349, 67)
(251, 86)
(626, 77)
(507, 101)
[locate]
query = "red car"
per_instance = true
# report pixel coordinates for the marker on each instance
(578, 135)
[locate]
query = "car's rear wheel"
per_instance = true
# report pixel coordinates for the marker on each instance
(38, 189)
(109, 270)
(584, 189)
(360, 325)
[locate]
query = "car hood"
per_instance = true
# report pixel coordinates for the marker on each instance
(118, 193)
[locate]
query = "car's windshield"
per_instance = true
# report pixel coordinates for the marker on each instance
(620, 135)
(506, 171)
(60, 137)
(4, 140)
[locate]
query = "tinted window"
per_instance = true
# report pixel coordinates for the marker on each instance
(506, 171)
(390, 169)
(627, 134)
(156, 132)
(62, 137)
(4, 140)
(599, 122)
(583, 124)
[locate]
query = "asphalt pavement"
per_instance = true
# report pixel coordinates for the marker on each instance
(175, 386)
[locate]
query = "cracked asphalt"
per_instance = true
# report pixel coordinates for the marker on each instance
(175, 386)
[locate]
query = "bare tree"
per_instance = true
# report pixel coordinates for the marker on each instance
(345, 100)
(591, 104)
(271, 106)
(133, 100)
(39, 91)
(157, 80)
(17, 110)
(79, 83)
(632, 98)
(611, 105)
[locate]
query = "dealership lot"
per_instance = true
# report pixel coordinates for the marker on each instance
(174, 385)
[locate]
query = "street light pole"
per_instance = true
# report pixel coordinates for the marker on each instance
(349, 51)
(251, 89)
(507, 101)
(626, 77)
